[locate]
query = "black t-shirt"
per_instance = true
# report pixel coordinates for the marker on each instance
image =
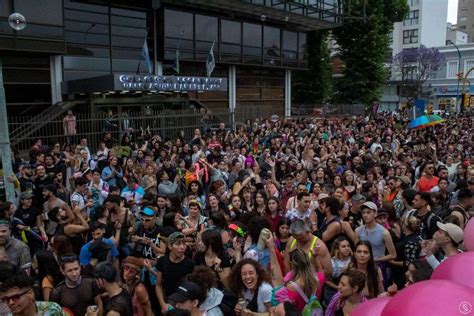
(28, 215)
(172, 273)
(38, 189)
(146, 251)
(26, 184)
(76, 299)
(428, 224)
(121, 303)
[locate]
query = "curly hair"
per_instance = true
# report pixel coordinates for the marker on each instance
(236, 285)
(204, 276)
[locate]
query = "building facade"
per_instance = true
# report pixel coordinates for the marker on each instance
(424, 25)
(446, 87)
(453, 35)
(466, 18)
(69, 44)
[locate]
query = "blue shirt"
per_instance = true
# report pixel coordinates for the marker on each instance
(85, 256)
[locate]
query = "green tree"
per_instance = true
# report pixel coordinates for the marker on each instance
(363, 41)
(314, 86)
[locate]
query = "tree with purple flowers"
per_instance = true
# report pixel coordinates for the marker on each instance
(413, 67)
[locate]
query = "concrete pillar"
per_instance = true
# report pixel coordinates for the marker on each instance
(56, 71)
(287, 93)
(232, 88)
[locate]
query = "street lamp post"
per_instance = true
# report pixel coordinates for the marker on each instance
(458, 105)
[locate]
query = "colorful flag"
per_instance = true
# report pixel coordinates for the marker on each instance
(146, 55)
(211, 61)
(176, 61)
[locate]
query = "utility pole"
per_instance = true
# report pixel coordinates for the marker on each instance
(5, 149)
(17, 22)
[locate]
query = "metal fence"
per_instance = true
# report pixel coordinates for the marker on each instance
(166, 123)
(326, 110)
(93, 125)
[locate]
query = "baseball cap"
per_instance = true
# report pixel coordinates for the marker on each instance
(382, 211)
(370, 205)
(187, 291)
(147, 212)
(322, 196)
(358, 197)
(454, 231)
(51, 188)
(26, 195)
(175, 237)
(26, 165)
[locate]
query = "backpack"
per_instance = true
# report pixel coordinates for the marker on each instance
(312, 307)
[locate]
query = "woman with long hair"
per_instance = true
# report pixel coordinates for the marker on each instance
(273, 213)
(213, 205)
(113, 173)
(349, 184)
(363, 260)
(300, 284)
(261, 202)
(213, 254)
(251, 283)
(349, 295)
(282, 234)
(341, 253)
(337, 182)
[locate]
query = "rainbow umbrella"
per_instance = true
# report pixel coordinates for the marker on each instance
(425, 120)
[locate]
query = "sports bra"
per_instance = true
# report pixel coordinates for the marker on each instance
(313, 243)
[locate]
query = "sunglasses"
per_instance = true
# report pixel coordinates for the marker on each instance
(15, 298)
(146, 220)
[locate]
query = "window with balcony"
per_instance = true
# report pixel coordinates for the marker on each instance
(451, 68)
(468, 65)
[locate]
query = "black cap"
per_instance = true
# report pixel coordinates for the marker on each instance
(187, 291)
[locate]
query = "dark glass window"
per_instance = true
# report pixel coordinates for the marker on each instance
(290, 45)
(48, 12)
(205, 28)
(302, 46)
(271, 41)
(178, 24)
(231, 32)
(252, 35)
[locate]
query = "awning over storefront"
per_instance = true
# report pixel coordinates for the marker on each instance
(131, 82)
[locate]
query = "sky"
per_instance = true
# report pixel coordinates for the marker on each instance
(452, 11)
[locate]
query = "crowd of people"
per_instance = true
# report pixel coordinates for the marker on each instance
(277, 217)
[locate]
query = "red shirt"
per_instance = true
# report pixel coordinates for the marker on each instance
(426, 185)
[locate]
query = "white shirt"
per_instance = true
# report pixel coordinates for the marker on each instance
(264, 296)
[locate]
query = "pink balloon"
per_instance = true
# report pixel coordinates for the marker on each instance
(469, 235)
(372, 307)
(458, 268)
(432, 297)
